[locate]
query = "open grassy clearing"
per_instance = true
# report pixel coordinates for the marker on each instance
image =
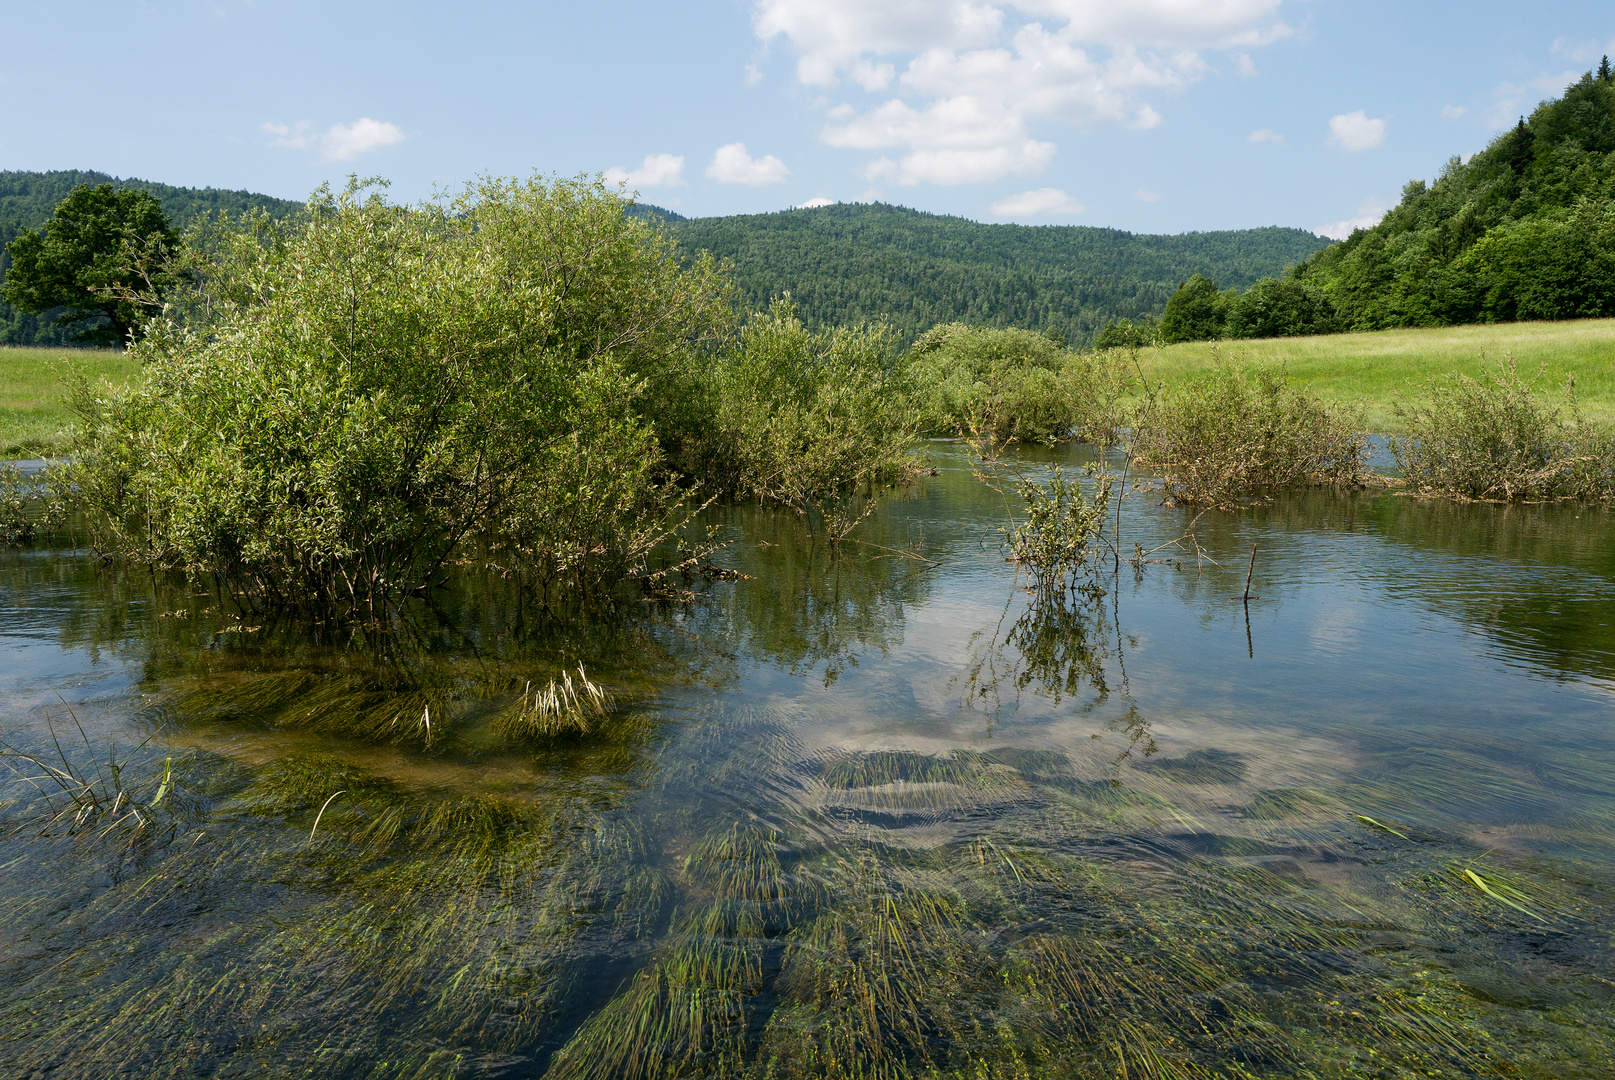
(1375, 369)
(1382, 368)
(33, 394)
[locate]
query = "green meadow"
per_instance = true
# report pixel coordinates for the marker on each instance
(1377, 370)
(1382, 368)
(34, 421)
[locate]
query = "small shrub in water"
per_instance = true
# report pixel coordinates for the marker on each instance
(1496, 437)
(807, 419)
(1013, 386)
(1055, 539)
(1219, 438)
(27, 506)
(367, 395)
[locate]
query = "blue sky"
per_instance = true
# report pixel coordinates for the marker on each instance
(1147, 115)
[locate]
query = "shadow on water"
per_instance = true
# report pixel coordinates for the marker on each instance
(869, 811)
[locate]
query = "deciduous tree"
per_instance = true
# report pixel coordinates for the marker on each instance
(101, 256)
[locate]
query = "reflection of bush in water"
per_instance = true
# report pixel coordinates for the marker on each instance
(810, 604)
(1055, 648)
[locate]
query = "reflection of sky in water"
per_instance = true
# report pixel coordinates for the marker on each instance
(1189, 777)
(1383, 624)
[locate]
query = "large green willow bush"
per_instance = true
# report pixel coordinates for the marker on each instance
(1497, 437)
(342, 407)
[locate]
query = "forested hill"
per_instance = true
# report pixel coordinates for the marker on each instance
(27, 200)
(842, 263)
(1523, 230)
(852, 262)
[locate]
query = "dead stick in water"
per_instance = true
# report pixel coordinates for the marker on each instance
(1246, 597)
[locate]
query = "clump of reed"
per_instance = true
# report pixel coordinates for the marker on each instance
(1220, 439)
(562, 707)
(1499, 438)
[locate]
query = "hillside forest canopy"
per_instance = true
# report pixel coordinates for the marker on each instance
(1523, 230)
(841, 265)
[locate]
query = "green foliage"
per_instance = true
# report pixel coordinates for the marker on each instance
(27, 200)
(27, 506)
(1198, 311)
(1497, 437)
(1012, 385)
(808, 419)
(1281, 308)
(362, 398)
(101, 248)
(847, 264)
(1219, 437)
(30, 197)
(1055, 540)
(1520, 231)
(1129, 334)
(1558, 264)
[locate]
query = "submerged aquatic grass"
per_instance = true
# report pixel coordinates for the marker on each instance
(563, 706)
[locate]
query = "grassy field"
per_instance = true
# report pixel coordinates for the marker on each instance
(1380, 369)
(1376, 370)
(33, 390)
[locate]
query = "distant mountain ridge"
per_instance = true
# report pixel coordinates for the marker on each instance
(849, 262)
(29, 198)
(852, 262)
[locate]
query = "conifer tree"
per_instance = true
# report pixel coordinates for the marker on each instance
(1604, 73)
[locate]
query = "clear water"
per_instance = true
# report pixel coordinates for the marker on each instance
(867, 812)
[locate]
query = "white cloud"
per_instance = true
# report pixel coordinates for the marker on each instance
(1265, 135)
(754, 75)
(657, 170)
(1357, 131)
(816, 202)
(964, 85)
(339, 142)
(732, 165)
(1369, 211)
(1513, 100)
(1147, 118)
(1583, 51)
(1043, 202)
(1245, 66)
(1147, 196)
(1453, 112)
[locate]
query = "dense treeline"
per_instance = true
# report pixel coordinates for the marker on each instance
(841, 264)
(1525, 229)
(27, 200)
(850, 263)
